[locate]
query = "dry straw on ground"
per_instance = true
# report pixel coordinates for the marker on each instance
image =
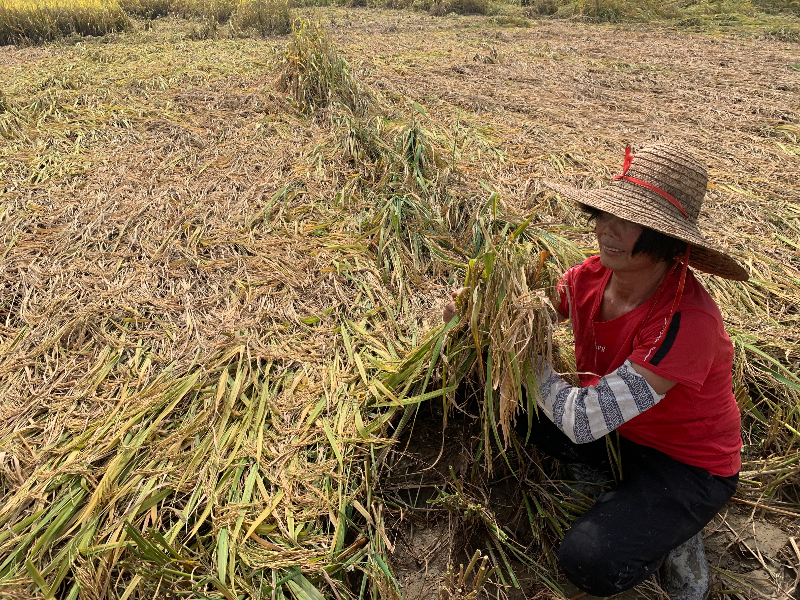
(200, 370)
(218, 297)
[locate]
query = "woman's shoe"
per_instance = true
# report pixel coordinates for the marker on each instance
(684, 573)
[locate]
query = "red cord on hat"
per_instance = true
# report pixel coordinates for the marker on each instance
(626, 165)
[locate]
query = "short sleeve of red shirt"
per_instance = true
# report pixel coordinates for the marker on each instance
(688, 351)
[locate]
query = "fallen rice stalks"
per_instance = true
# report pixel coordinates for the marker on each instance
(158, 447)
(507, 307)
(205, 352)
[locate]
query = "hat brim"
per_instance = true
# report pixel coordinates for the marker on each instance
(647, 209)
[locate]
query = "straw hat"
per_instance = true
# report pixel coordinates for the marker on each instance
(662, 187)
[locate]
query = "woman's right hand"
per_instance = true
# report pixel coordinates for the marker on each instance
(450, 309)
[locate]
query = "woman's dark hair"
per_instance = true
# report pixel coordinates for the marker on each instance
(659, 246)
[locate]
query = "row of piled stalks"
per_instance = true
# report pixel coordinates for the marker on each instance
(238, 448)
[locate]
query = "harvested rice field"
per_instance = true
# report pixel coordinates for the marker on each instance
(222, 272)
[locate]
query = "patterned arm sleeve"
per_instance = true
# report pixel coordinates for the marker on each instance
(587, 414)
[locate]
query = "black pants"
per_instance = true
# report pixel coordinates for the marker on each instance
(659, 504)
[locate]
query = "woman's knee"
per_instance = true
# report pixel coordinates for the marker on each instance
(590, 561)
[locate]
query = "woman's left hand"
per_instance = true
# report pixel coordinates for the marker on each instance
(450, 309)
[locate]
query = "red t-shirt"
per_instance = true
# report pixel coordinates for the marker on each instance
(698, 421)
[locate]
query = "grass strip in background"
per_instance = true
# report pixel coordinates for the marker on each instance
(36, 21)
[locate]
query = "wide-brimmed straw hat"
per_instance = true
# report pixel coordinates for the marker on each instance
(662, 187)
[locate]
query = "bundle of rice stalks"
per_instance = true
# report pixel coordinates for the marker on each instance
(506, 314)
(315, 76)
(397, 154)
(409, 224)
(35, 21)
(419, 161)
(403, 173)
(510, 316)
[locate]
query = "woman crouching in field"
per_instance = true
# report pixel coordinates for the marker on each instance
(655, 364)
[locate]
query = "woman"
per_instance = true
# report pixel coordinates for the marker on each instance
(655, 365)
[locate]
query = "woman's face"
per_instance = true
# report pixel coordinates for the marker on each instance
(616, 238)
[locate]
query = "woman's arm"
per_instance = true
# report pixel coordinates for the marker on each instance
(587, 414)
